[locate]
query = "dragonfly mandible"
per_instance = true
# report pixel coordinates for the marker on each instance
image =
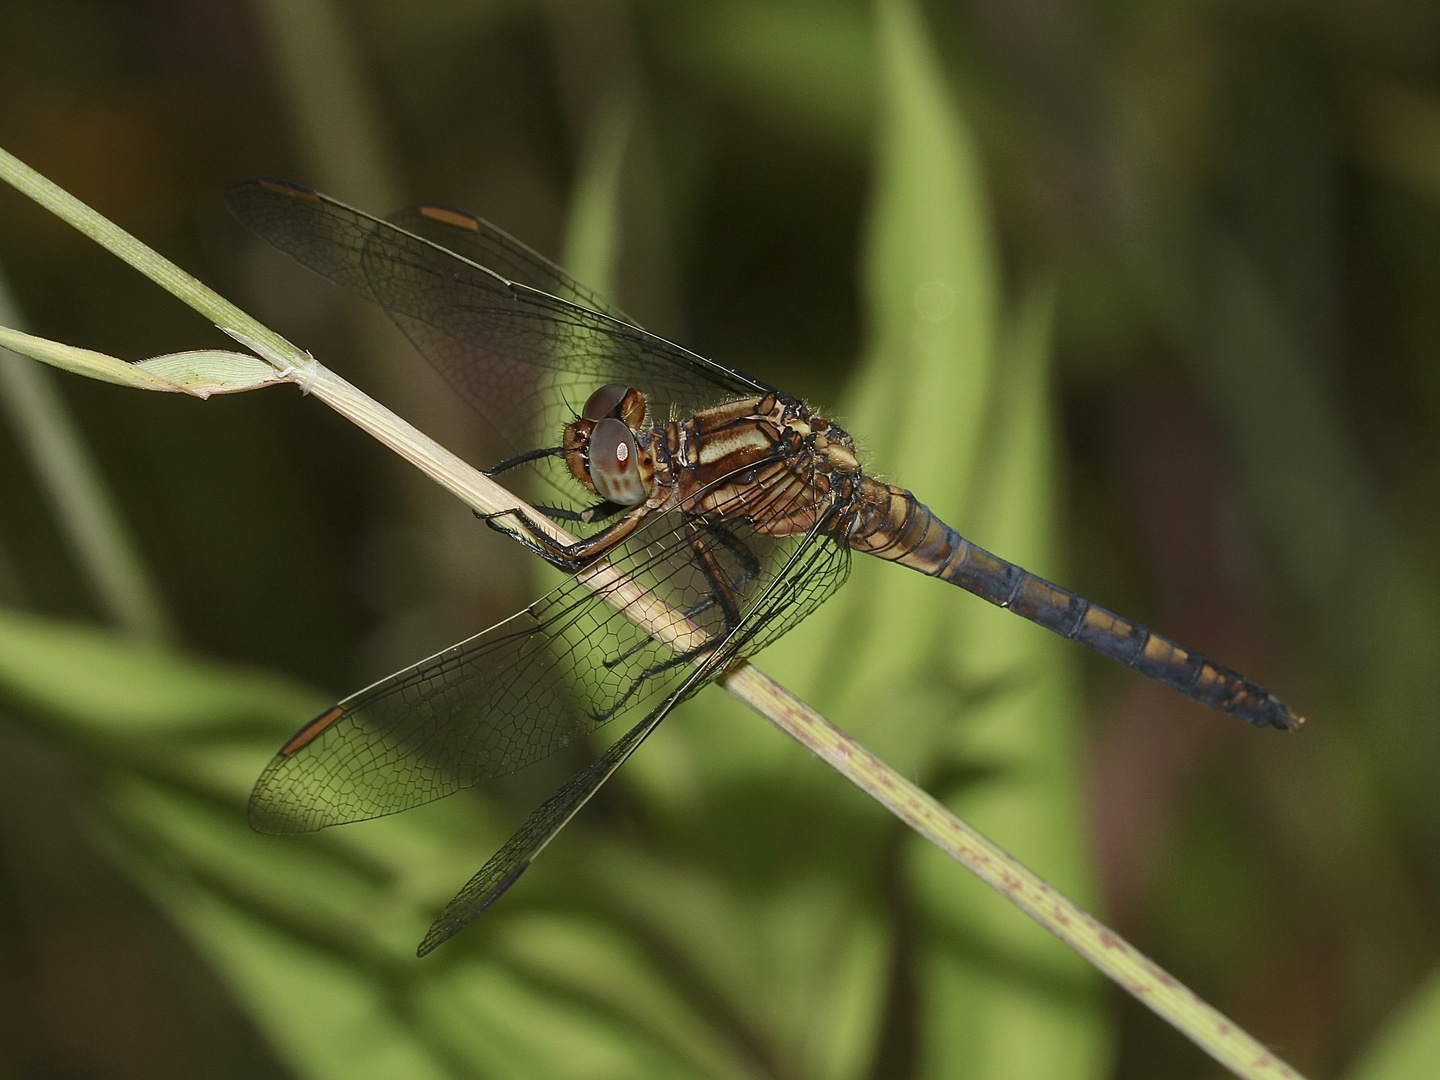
(732, 504)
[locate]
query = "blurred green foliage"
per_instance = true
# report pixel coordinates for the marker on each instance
(1142, 296)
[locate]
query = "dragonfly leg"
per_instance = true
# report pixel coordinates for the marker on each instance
(521, 459)
(571, 558)
(749, 564)
(688, 613)
(722, 588)
(599, 512)
(689, 656)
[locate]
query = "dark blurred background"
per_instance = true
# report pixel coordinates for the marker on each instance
(1240, 202)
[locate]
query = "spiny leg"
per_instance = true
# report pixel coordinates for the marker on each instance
(521, 459)
(571, 558)
(722, 590)
(591, 514)
(689, 656)
(749, 563)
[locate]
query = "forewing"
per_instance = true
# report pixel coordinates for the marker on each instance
(525, 359)
(485, 245)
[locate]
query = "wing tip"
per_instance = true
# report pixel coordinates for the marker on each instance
(264, 817)
(461, 912)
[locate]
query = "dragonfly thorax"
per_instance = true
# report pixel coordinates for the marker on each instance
(766, 459)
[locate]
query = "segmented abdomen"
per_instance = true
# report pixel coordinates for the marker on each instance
(895, 525)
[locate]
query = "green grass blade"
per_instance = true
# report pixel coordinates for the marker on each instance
(1409, 1045)
(334, 117)
(592, 229)
(78, 496)
(959, 412)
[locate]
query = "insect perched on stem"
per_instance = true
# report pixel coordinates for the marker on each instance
(712, 496)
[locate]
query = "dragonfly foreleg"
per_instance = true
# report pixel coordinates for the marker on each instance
(571, 558)
(599, 512)
(521, 459)
(520, 538)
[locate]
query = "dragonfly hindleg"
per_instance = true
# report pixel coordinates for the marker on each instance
(722, 587)
(687, 657)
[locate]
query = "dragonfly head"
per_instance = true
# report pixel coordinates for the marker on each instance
(602, 450)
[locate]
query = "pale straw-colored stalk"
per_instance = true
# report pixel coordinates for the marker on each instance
(284, 362)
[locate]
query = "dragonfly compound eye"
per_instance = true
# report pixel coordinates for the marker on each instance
(615, 463)
(617, 401)
(605, 402)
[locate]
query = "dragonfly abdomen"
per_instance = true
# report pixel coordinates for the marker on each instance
(897, 526)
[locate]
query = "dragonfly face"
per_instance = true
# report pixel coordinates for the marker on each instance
(730, 518)
(604, 451)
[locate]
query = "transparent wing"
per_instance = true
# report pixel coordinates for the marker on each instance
(484, 245)
(520, 340)
(812, 570)
(504, 868)
(568, 663)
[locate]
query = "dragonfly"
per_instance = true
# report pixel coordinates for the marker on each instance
(697, 491)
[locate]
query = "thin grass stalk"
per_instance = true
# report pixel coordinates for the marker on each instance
(1219, 1037)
